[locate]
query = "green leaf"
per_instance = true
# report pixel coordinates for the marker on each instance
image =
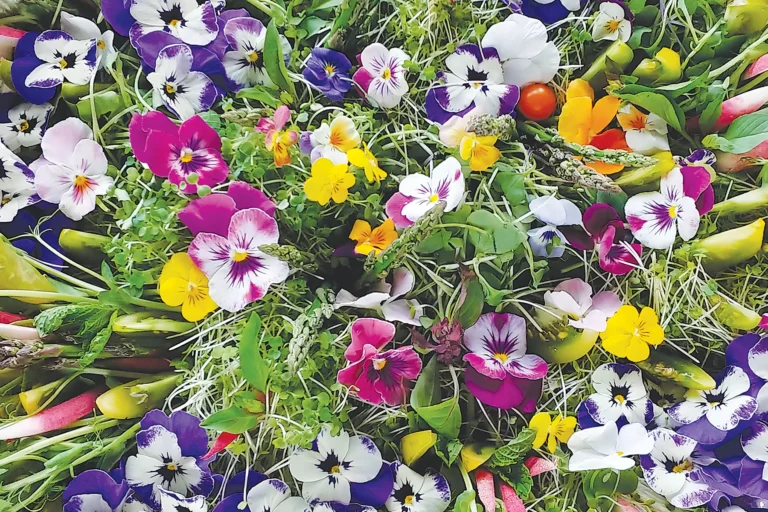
(273, 60)
(518, 477)
(434, 242)
(464, 501)
(655, 102)
(499, 236)
(473, 299)
(314, 25)
(601, 485)
(448, 450)
(444, 417)
(89, 319)
(255, 369)
(319, 5)
(265, 95)
(514, 451)
(97, 343)
(615, 199)
(106, 103)
(636, 5)
(714, 108)
(233, 420)
(513, 187)
(743, 135)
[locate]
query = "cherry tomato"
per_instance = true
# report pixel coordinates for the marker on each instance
(537, 102)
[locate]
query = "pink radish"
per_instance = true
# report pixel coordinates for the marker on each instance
(744, 103)
(625, 505)
(222, 441)
(729, 162)
(539, 465)
(512, 501)
(54, 418)
(757, 67)
(8, 39)
(485, 489)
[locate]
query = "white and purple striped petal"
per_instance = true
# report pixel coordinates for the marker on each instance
(187, 20)
(26, 125)
(64, 59)
(183, 91)
(386, 83)
(619, 391)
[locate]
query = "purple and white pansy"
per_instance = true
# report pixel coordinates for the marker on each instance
(342, 468)
(497, 347)
(619, 396)
(238, 271)
(381, 76)
(173, 502)
(419, 193)
(750, 353)
(708, 416)
(549, 241)
(17, 185)
(244, 60)
(574, 298)
(608, 447)
(753, 479)
(655, 218)
(83, 29)
(95, 491)
(183, 91)
(673, 469)
(413, 492)
(24, 125)
(170, 451)
(386, 298)
(270, 495)
(189, 21)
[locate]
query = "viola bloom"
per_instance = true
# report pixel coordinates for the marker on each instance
(386, 298)
(373, 376)
(608, 235)
(413, 492)
(645, 133)
(74, 171)
(183, 91)
(497, 347)
(188, 155)
(574, 298)
(366, 160)
(238, 271)
(663, 396)
(629, 333)
(750, 353)
(234, 497)
(619, 393)
(329, 181)
(17, 186)
(261, 494)
(342, 468)
(169, 457)
(26, 221)
(418, 193)
(551, 431)
(381, 75)
(328, 72)
(754, 467)
(62, 59)
(655, 218)
(372, 241)
(189, 21)
(585, 123)
(172, 501)
(83, 29)
(480, 152)
(608, 447)
(244, 62)
(610, 25)
(698, 158)
(181, 283)
(508, 393)
(549, 241)
(672, 470)
(95, 490)
(332, 141)
(25, 125)
(550, 11)
(278, 140)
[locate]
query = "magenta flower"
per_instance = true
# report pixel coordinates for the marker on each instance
(188, 155)
(238, 271)
(511, 392)
(378, 377)
(213, 213)
(605, 231)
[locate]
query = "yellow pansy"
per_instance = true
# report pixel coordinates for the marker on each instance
(481, 152)
(375, 240)
(181, 283)
(328, 181)
(364, 159)
(629, 333)
(551, 431)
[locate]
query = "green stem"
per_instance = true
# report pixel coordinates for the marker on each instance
(89, 288)
(52, 296)
(18, 18)
(725, 67)
(468, 485)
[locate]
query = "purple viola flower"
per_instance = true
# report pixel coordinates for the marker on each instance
(44, 61)
(413, 492)
(474, 82)
(170, 451)
(183, 91)
(94, 490)
(750, 353)
(50, 229)
(550, 11)
(17, 185)
(708, 416)
(188, 20)
(171, 501)
(253, 492)
(605, 231)
(620, 396)
(244, 62)
(753, 479)
(23, 125)
(237, 489)
(673, 469)
(511, 392)
(342, 468)
(328, 72)
(698, 158)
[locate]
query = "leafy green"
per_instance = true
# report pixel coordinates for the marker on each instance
(97, 343)
(464, 501)
(602, 485)
(232, 419)
(714, 108)
(518, 477)
(260, 93)
(514, 451)
(274, 62)
(255, 369)
(472, 299)
(743, 135)
(88, 318)
(448, 450)
(658, 103)
(106, 103)
(443, 416)
(497, 236)
(512, 185)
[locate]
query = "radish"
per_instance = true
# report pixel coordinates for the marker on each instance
(757, 67)
(18, 332)
(539, 465)
(9, 318)
(222, 441)
(744, 103)
(54, 418)
(512, 501)
(729, 162)
(8, 39)
(485, 489)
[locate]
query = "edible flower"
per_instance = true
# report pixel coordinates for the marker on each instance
(645, 133)
(550, 11)
(329, 181)
(277, 140)
(620, 396)
(191, 22)
(334, 140)
(574, 298)
(663, 68)
(181, 283)
(386, 298)
(754, 466)
(629, 333)
(372, 241)
(610, 25)
(83, 29)
(328, 72)
(97, 490)
(750, 353)
(366, 160)
(551, 430)
(608, 447)
(413, 492)
(261, 494)
(183, 91)
(381, 75)
(607, 234)
(244, 59)
(549, 241)
(17, 186)
(24, 125)
(481, 152)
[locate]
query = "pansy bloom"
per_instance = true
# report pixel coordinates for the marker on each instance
(17, 186)
(754, 467)
(253, 492)
(342, 468)
(276, 139)
(480, 152)
(183, 91)
(607, 233)
(188, 155)
(585, 311)
(550, 11)
(328, 181)
(24, 125)
(181, 283)
(372, 240)
(750, 353)
(418, 193)
(629, 333)
(238, 271)
(608, 447)
(645, 133)
(388, 299)
(84, 29)
(74, 169)
(655, 218)
(244, 62)
(619, 395)
(334, 140)
(551, 431)
(610, 24)
(189, 21)
(95, 490)
(50, 224)
(328, 72)
(413, 492)
(381, 75)
(366, 160)
(549, 241)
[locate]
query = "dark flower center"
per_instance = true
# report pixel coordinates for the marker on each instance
(331, 464)
(619, 393)
(173, 16)
(406, 494)
(65, 61)
(169, 470)
(476, 78)
(714, 399)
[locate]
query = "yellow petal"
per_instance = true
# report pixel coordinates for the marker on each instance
(383, 236)
(551, 443)
(603, 113)
(579, 89)
(357, 158)
(374, 173)
(322, 167)
(413, 446)
(576, 120)
(340, 195)
(565, 429)
(540, 423)
(465, 146)
(483, 157)
(616, 345)
(173, 290)
(361, 231)
(638, 350)
(195, 309)
(317, 190)
(474, 455)
(344, 135)
(604, 168)
(630, 118)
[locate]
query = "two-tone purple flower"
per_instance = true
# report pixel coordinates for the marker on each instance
(381, 76)
(413, 492)
(94, 490)
(328, 72)
(250, 491)
(342, 468)
(559, 216)
(184, 91)
(23, 125)
(548, 11)
(750, 353)
(753, 479)
(17, 185)
(189, 21)
(244, 60)
(620, 396)
(605, 232)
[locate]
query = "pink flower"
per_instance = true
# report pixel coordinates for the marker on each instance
(605, 231)
(373, 376)
(213, 213)
(574, 298)
(277, 140)
(381, 76)
(188, 155)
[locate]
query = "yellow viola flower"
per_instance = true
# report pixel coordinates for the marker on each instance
(364, 159)
(182, 284)
(629, 333)
(551, 431)
(373, 241)
(329, 181)
(481, 152)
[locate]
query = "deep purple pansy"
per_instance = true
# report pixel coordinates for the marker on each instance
(328, 72)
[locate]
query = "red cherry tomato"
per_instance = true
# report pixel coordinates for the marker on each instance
(537, 102)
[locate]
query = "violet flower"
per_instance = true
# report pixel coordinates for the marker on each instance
(244, 62)
(236, 491)
(17, 186)
(550, 11)
(253, 492)
(213, 213)
(605, 231)
(559, 215)
(50, 229)
(94, 489)
(413, 492)
(750, 353)
(23, 125)
(83, 29)
(620, 396)
(754, 467)
(187, 20)
(381, 76)
(328, 72)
